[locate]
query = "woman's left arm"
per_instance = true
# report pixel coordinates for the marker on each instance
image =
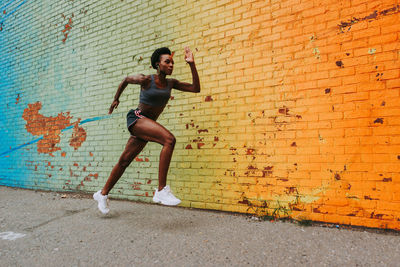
(194, 87)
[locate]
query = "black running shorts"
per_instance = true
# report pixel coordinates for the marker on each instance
(132, 117)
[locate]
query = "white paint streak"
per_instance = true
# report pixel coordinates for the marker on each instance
(11, 235)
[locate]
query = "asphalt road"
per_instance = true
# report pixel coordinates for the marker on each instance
(56, 229)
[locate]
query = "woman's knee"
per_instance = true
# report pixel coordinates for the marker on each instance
(170, 140)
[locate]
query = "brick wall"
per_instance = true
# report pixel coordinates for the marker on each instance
(298, 114)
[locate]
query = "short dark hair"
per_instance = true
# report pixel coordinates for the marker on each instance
(155, 57)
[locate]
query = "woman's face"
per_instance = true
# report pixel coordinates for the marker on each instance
(166, 64)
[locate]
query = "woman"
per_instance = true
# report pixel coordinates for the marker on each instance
(154, 95)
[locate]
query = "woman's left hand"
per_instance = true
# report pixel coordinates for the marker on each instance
(188, 55)
(114, 105)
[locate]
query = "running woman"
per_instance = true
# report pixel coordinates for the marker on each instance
(154, 95)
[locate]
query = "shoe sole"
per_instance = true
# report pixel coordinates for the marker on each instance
(156, 200)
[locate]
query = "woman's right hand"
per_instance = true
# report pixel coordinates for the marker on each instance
(114, 105)
(188, 55)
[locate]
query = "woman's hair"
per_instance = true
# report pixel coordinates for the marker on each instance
(155, 57)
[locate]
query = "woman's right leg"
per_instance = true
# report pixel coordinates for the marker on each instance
(149, 130)
(132, 149)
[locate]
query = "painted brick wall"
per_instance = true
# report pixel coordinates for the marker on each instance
(299, 113)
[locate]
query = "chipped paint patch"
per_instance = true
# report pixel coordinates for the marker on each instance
(67, 29)
(373, 16)
(371, 51)
(339, 63)
(12, 149)
(208, 98)
(78, 136)
(49, 127)
(316, 52)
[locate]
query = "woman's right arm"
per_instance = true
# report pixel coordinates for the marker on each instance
(134, 79)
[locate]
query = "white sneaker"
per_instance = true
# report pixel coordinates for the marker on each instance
(165, 197)
(102, 202)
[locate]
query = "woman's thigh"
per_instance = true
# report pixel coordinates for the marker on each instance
(150, 130)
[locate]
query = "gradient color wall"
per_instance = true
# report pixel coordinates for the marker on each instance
(299, 113)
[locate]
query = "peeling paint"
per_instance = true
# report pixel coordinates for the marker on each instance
(374, 15)
(78, 136)
(371, 51)
(339, 63)
(49, 127)
(67, 29)
(208, 98)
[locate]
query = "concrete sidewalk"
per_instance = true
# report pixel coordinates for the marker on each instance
(67, 230)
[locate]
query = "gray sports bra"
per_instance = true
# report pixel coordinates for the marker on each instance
(155, 96)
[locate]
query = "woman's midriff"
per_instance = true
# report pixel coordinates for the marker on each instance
(150, 112)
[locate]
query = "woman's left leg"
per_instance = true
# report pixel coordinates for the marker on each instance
(132, 149)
